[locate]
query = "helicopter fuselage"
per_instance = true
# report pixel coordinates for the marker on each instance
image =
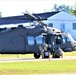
(23, 40)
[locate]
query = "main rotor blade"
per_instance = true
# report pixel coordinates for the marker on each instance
(38, 19)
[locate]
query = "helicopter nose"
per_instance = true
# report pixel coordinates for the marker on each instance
(75, 48)
(75, 45)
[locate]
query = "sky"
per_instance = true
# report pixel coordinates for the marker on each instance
(18, 7)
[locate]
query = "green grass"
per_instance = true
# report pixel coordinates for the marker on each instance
(31, 55)
(15, 56)
(73, 53)
(38, 67)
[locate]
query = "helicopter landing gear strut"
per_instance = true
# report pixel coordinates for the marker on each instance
(36, 55)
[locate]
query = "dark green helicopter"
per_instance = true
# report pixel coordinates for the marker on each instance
(39, 40)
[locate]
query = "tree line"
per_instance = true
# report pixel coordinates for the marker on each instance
(65, 8)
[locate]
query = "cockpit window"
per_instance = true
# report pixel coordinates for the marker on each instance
(69, 38)
(64, 39)
(30, 40)
(39, 39)
(58, 39)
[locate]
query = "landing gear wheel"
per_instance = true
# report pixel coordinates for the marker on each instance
(36, 55)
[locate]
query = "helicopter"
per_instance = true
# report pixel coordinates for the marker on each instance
(37, 40)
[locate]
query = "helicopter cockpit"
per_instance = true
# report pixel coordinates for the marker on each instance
(69, 38)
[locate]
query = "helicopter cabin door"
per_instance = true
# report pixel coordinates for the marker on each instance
(33, 43)
(60, 41)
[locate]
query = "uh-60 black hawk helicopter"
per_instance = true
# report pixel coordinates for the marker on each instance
(39, 40)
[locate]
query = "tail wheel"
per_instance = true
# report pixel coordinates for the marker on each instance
(36, 55)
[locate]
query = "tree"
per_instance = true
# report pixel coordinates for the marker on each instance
(63, 7)
(73, 10)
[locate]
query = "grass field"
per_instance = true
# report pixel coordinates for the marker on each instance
(16, 56)
(31, 55)
(73, 53)
(37, 67)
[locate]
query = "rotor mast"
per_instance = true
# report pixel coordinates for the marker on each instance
(37, 19)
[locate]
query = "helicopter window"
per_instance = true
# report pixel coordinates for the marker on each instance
(58, 39)
(31, 40)
(39, 39)
(69, 38)
(64, 40)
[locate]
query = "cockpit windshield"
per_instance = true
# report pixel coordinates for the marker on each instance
(69, 38)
